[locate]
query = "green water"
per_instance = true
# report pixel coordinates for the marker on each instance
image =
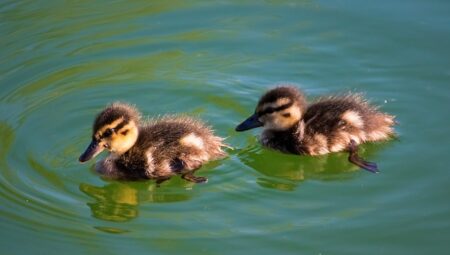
(62, 61)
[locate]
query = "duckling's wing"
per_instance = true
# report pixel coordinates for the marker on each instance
(327, 113)
(324, 116)
(341, 118)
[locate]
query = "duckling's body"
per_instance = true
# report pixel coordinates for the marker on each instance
(163, 147)
(330, 124)
(168, 146)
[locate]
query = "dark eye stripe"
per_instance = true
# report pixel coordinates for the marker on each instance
(276, 109)
(108, 132)
(121, 125)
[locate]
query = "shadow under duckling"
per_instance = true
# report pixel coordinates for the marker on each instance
(156, 149)
(330, 124)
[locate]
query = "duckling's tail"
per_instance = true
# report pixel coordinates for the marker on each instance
(215, 147)
(380, 127)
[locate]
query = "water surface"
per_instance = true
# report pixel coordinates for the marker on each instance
(61, 62)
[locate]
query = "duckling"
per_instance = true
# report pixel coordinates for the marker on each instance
(154, 149)
(331, 124)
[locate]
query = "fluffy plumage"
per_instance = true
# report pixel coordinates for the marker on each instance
(168, 146)
(330, 124)
(115, 111)
(153, 149)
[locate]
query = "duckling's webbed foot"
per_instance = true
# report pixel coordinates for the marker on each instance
(180, 166)
(196, 179)
(355, 159)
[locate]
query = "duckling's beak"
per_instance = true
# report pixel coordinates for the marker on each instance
(92, 150)
(251, 122)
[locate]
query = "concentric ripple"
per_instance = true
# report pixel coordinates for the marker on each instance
(61, 62)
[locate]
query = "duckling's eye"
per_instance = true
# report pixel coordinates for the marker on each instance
(286, 115)
(108, 132)
(124, 132)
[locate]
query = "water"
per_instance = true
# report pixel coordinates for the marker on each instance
(61, 62)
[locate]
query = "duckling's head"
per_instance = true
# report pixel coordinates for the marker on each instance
(114, 129)
(278, 109)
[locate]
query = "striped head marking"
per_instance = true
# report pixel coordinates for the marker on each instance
(115, 129)
(281, 114)
(279, 109)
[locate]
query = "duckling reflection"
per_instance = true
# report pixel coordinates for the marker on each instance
(285, 171)
(119, 201)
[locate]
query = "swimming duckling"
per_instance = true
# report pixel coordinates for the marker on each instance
(156, 149)
(331, 124)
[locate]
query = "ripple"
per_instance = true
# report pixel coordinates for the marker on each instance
(62, 62)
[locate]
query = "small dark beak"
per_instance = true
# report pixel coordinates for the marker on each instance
(92, 150)
(251, 122)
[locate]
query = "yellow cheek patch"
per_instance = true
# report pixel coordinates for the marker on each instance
(281, 122)
(125, 129)
(121, 143)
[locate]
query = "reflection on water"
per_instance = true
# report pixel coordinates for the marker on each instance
(114, 202)
(119, 201)
(7, 135)
(63, 60)
(285, 171)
